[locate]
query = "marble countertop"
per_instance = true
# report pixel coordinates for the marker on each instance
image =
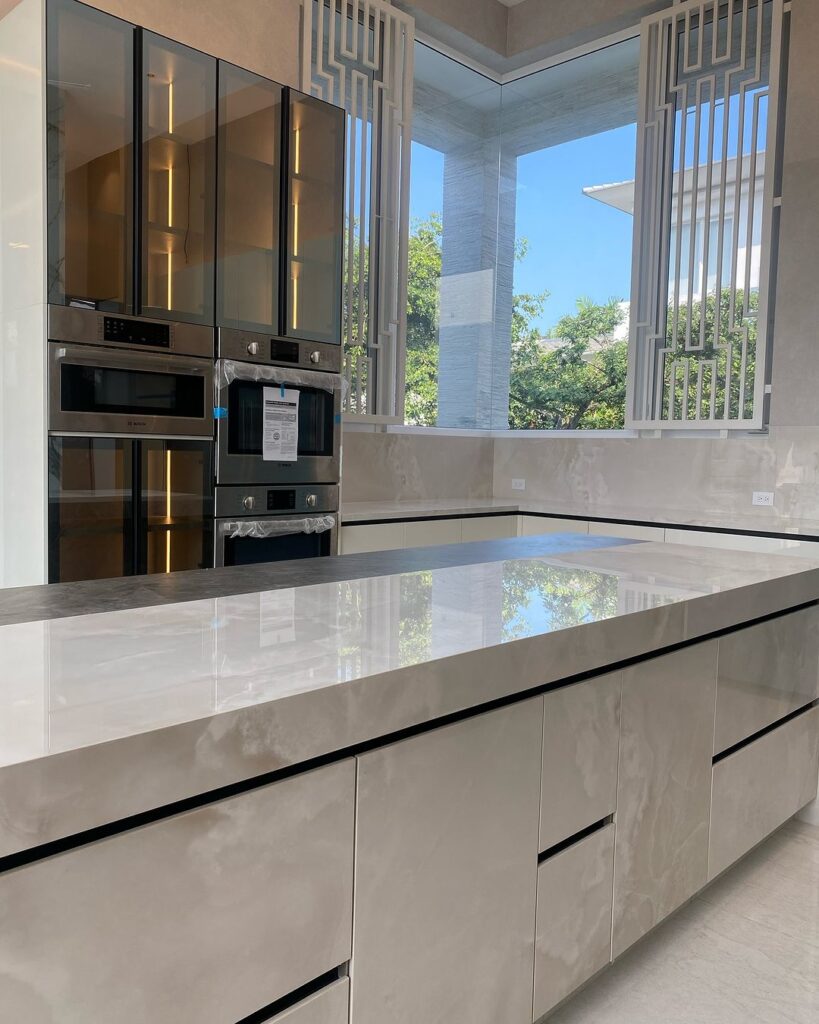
(370, 511)
(106, 715)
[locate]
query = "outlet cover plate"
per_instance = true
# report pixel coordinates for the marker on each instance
(518, 485)
(764, 498)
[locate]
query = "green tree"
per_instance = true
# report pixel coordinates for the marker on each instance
(576, 384)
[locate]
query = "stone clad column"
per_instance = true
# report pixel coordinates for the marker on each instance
(476, 285)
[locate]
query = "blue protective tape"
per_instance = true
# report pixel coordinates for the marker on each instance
(219, 412)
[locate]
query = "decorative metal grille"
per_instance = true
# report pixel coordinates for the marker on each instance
(358, 54)
(704, 213)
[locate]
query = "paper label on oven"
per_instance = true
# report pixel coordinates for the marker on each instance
(280, 436)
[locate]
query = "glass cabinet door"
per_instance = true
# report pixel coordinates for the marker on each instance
(176, 479)
(90, 508)
(90, 157)
(178, 186)
(249, 197)
(315, 218)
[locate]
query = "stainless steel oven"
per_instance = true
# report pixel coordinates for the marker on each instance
(274, 524)
(254, 347)
(244, 394)
(94, 390)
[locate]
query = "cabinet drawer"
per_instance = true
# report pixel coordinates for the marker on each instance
(757, 788)
(329, 1006)
(765, 673)
(581, 737)
(532, 526)
(574, 895)
(424, 533)
(488, 528)
(204, 917)
(357, 540)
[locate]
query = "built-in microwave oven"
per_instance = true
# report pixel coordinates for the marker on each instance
(244, 394)
(95, 390)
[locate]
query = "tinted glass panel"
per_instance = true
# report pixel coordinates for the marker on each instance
(315, 218)
(179, 150)
(177, 505)
(247, 551)
(90, 157)
(132, 392)
(90, 510)
(249, 200)
(245, 411)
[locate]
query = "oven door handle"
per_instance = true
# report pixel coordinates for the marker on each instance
(262, 529)
(91, 355)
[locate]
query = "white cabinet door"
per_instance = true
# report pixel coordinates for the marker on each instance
(627, 530)
(573, 917)
(446, 874)
(765, 673)
(201, 918)
(760, 786)
(328, 1006)
(488, 528)
(428, 532)
(581, 740)
(664, 788)
(356, 540)
(531, 526)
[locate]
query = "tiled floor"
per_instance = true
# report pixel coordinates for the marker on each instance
(745, 951)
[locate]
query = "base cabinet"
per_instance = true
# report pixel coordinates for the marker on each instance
(664, 788)
(574, 893)
(761, 785)
(765, 673)
(446, 874)
(202, 918)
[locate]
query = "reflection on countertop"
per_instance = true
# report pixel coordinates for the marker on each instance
(74, 682)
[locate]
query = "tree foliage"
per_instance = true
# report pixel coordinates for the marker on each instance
(577, 382)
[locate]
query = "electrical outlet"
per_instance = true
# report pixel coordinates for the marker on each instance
(765, 498)
(518, 485)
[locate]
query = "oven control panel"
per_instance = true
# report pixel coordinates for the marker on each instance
(257, 501)
(136, 332)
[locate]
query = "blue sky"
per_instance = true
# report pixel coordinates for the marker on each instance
(577, 246)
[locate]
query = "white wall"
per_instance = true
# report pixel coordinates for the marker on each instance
(22, 291)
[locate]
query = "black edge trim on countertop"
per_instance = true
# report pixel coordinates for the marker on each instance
(294, 998)
(764, 732)
(574, 517)
(578, 837)
(112, 829)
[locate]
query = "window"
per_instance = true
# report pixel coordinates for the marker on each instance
(521, 205)
(705, 215)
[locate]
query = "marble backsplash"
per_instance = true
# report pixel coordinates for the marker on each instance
(697, 481)
(396, 466)
(678, 479)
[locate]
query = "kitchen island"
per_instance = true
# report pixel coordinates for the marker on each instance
(403, 790)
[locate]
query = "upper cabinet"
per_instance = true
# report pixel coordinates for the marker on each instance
(131, 125)
(178, 208)
(169, 171)
(281, 210)
(315, 219)
(90, 146)
(250, 144)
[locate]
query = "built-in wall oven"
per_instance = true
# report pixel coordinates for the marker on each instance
(130, 462)
(276, 424)
(272, 524)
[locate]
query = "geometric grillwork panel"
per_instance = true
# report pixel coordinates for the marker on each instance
(358, 55)
(704, 214)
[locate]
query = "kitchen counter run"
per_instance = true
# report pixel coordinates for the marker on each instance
(106, 715)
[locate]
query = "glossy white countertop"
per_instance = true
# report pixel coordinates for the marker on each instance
(372, 511)
(106, 715)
